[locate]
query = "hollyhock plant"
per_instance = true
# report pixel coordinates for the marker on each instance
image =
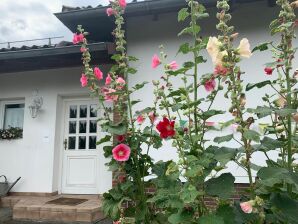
(246, 207)
(98, 73)
(78, 38)
(173, 65)
(210, 85)
(122, 4)
(84, 80)
(109, 95)
(244, 48)
(268, 70)
(110, 11)
(83, 49)
(120, 138)
(120, 80)
(108, 80)
(121, 152)
(166, 128)
(155, 61)
(220, 70)
(140, 119)
(152, 116)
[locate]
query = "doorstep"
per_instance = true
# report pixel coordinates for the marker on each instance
(37, 209)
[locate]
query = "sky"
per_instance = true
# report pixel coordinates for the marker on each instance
(31, 19)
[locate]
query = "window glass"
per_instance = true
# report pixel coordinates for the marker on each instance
(13, 116)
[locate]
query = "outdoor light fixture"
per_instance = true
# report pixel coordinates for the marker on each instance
(36, 104)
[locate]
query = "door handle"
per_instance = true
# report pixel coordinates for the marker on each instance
(65, 144)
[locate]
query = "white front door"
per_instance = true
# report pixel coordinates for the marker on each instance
(81, 158)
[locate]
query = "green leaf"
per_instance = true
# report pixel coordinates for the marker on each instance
(252, 135)
(221, 139)
(189, 194)
(180, 217)
(190, 30)
(271, 144)
(184, 48)
(210, 113)
(211, 219)
(105, 139)
(285, 112)
(131, 70)
(259, 85)
(183, 14)
(261, 111)
(140, 85)
(262, 47)
(222, 186)
(224, 154)
(200, 59)
(227, 213)
(117, 129)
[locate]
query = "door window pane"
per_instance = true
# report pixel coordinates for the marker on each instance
(93, 111)
(82, 142)
(73, 111)
(13, 116)
(83, 126)
(72, 143)
(72, 127)
(83, 111)
(93, 126)
(92, 142)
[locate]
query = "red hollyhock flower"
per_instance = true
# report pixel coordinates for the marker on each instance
(120, 138)
(121, 152)
(268, 70)
(166, 128)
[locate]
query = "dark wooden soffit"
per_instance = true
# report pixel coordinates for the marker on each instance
(62, 57)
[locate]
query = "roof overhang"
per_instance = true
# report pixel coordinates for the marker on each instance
(100, 26)
(56, 57)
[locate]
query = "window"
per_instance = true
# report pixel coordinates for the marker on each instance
(12, 114)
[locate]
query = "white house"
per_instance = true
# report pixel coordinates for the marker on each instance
(57, 152)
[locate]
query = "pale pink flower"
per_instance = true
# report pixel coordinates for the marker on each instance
(244, 48)
(173, 65)
(120, 80)
(140, 119)
(116, 222)
(122, 4)
(84, 80)
(210, 85)
(83, 49)
(108, 80)
(78, 38)
(152, 117)
(121, 152)
(210, 124)
(98, 73)
(155, 61)
(109, 96)
(110, 11)
(234, 127)
(220, 70)
(246, 207)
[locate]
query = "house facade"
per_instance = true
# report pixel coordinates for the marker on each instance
(57, 153)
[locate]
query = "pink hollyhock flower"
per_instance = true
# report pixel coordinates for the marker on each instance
(120, 138)
(173, 65)
(152, 117)
(166, 128)
(220, 70)
(109, 96)
(210, 85)
(110, 11)
(83, 49)
(140, 119)
(84, 80)
(210, 123)
(78, 38)
(122, 4)
(108, 80)
(116, 222)
(246, 207)
(155, 61)
(121, 152)
(268, 70)
(120, 80)
(98, 73)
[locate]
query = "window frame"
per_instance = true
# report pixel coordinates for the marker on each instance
(3, 103)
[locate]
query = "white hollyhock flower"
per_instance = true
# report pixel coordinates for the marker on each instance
(244, 48)
(213, 48)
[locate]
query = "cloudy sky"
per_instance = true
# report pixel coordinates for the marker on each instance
(30, 19)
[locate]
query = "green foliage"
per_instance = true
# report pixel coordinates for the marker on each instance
(222, 186)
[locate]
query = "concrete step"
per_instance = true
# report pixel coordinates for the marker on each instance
(37, 209)
(5, 214)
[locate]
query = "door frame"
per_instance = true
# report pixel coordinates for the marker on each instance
(103, 173)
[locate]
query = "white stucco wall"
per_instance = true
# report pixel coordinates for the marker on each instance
(145, 35)
(36, 157)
